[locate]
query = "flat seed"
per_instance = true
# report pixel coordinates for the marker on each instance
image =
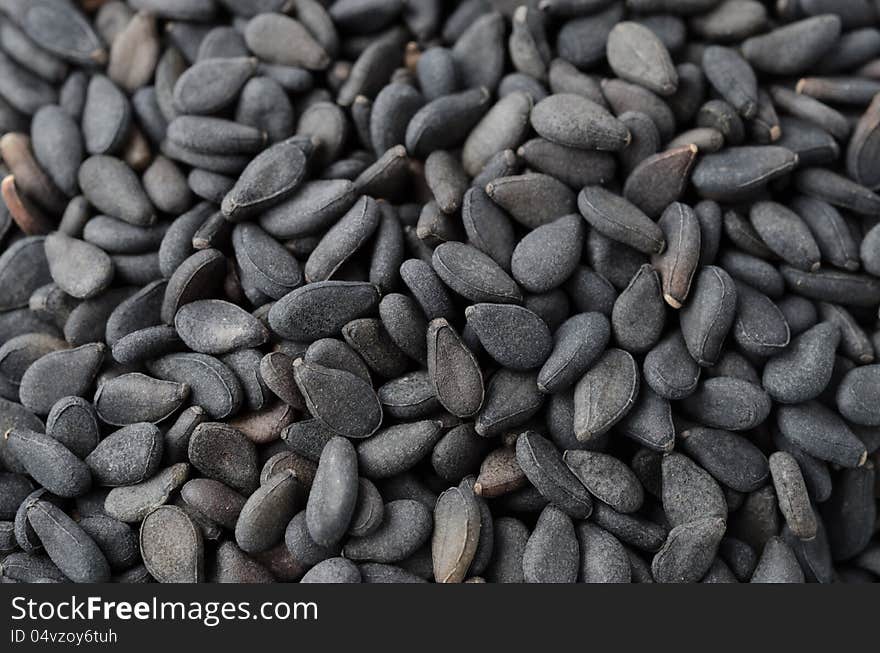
(637, 55)
(49, 462)
(212, 85)
(620, 220)
(607, 478)
(729, 457)
(113, 188)
(605, 394)
(213, 386)
(602, 557)
(689, 551)
(793, 48)
(575, 121)
(794, 502)
(857, 394)
(67, 544)
(321, 309)
(133, 503)
(456, 534)
(172, 546)
(74, 423)
(733, 78)
(740, 171)
(729, 403)
(639, 313)
(342, 402)
(130, 455)
(406, 527)
(454, 371)
(577, 343)
(225, 454)
(270, 35)
(709, 314)
(532, 199)
(551, 554)
(334, 492)
(545, 469)
(267, 512)
(397, 448)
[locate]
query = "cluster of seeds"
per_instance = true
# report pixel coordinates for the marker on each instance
(408, 290)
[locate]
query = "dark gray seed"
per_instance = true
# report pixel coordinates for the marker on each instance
(778, 564)
(196, 278)
(211, 326)
(73, 422)
(266, 513)
(396, 449)
(828, 285)
(503, 127)
(215, 135)
(178, 434)
(670, 370)
(837, 190)
(551, 554)
(118, 237)
(740, 171)
(72, 549)
(23, 92)
(147, 343)
(850, 512)
(334, 493)
(369, 510)
(729, 457)
(732, 77)
(16, 491)
(270, 178)
(166, 186)
(213, 386)
(532, 199)
(343, 240)
(301, 546)
(709, 314)
(388, 250)
(222, 452)
(321, 309)
(645, 139)
(660, 179)
(409, 397)
(605, 394)
(637, 55)
(133, 503)
(512, 398)
(446, 179)
(107, 118)
(454, 371)
(79, 268)
(333, 353)
(813, 555)
(760, 327)
(616, 218)
(405, 324)
(392, 110)
(369, 338)
(135, 397)
(130, 455)
(857, 396)
(706, 139)
(176, 245)
(803, 370)
(212, 84)
(602, 557)
(333, 571)
(457, 525)
(48, 462)
(753, 271)
(114, 189)
(116, 539)
(545, 469)
(639, 312)
(510, 540)
(574, 121)
(811, 111)
(582, 39)
(374, 572)
(123, 311)
(689, 551)
(649, 422)
(786, 234)
(61, 29)
(23, 269)
(20, 352)
(445, 122)
(264, 105)
(821, 433)
(629, 528)
(728, 403)
(575, 167)
(577, 343)
(800, 313)
(213, 500)
(861, 154)
(731, 20)
(793, 48)
(678, 263)
(342, 402)
(458, 453)
(307, 438)
(791, 491)
(548, 255)
(488, 227)
(606, 478)
(68, 372)
(514, 336)
(58, 146)
(172, 546)
(406, 526)
(479, 51)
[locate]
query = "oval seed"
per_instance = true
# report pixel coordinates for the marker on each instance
(545, 469)
(48, 462)
(342, 402)
(333, 496)
(266, 513)
(605, 394)
(172, 546)
(67, 544)
(136, 397)
(128, 456)
(620, 220)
